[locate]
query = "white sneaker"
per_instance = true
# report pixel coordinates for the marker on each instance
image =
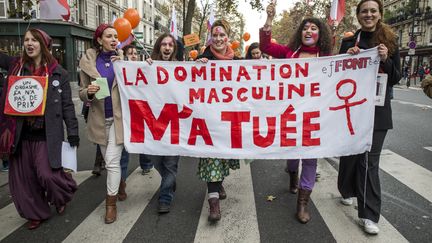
(347, 201)
(369, 226)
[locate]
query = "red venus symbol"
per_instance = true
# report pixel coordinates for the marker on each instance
(347, 104)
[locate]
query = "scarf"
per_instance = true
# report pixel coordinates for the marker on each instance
(229, 54)
(307, 49)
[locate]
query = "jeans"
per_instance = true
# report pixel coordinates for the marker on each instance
(167, 168)
(145, 163)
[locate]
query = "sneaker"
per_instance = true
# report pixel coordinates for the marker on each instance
(369, 226)
(347, 201)
(145, 171)
(163, 207)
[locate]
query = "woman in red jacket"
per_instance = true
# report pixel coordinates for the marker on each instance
(312, 39)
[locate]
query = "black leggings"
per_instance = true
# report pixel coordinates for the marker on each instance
(214, 186)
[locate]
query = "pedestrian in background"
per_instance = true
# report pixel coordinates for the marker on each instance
(165, 49)
(214, 170)
(105, 125)
(359, 174)
(253, 52)
(36, 176)
(311, 39)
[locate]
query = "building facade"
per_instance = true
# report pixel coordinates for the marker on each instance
(71, 38)
(412, 22)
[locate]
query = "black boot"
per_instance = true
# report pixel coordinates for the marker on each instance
(98, 163)
(294, 179)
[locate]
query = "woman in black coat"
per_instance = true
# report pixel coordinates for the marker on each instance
(359, 174)
(36, 177)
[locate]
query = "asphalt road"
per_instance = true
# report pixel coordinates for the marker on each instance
(407, 210)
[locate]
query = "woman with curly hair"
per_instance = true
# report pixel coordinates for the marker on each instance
(312, 39)
(359, 174)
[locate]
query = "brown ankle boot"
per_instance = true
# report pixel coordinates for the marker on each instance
(293, 182)
(302, 201)
(122, 195)
(222, 193)
(214, 210)
(111, 209)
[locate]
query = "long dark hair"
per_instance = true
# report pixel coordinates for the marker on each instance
(324, 41)
(254, 45)
(46, 58)
(383, 33)
(156, 54)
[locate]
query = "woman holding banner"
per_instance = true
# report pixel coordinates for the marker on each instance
(359, 174)
(213, 170)
(104, 125)
(36, 176)
(312, 39)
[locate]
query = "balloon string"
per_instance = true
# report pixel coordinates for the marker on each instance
(141, 45)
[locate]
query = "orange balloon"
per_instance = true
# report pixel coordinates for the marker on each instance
(273, 40)
(123, 28)
(132, 15)
(246, 36)
(235, 44)
(348, 34)
(193, 54)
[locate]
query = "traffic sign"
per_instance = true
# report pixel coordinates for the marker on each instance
(412, 44)
(411, 52)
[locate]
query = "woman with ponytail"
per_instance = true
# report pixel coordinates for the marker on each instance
(359, 174)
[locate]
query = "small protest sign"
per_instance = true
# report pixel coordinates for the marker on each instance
(26, 96)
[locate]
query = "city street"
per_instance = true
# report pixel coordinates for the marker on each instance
(247, 215)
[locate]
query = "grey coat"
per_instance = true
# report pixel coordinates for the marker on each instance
(59, 109)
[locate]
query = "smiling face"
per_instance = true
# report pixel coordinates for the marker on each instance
(369, 15)
(109, 40)
(219, 39)
(32, 46)
(167, 48)
(310, 34)
(132, 54)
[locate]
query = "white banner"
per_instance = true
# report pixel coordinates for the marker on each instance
(263, 109)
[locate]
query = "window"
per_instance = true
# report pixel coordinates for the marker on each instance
(100, 15)
(134, 4)
(97, 15)
(3, 9)
(430, 35)
(151, 36)
(400, 37)
(125, 3)
(82, 12)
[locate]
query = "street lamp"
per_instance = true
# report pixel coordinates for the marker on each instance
(412, 43)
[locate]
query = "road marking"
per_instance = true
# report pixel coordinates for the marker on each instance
(412, 103)
(11, 220)
(239, 221)
(409, 173)
(140, 191)
(341, 220)
(428, 148)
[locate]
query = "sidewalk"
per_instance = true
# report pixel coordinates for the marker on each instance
(4, 177)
